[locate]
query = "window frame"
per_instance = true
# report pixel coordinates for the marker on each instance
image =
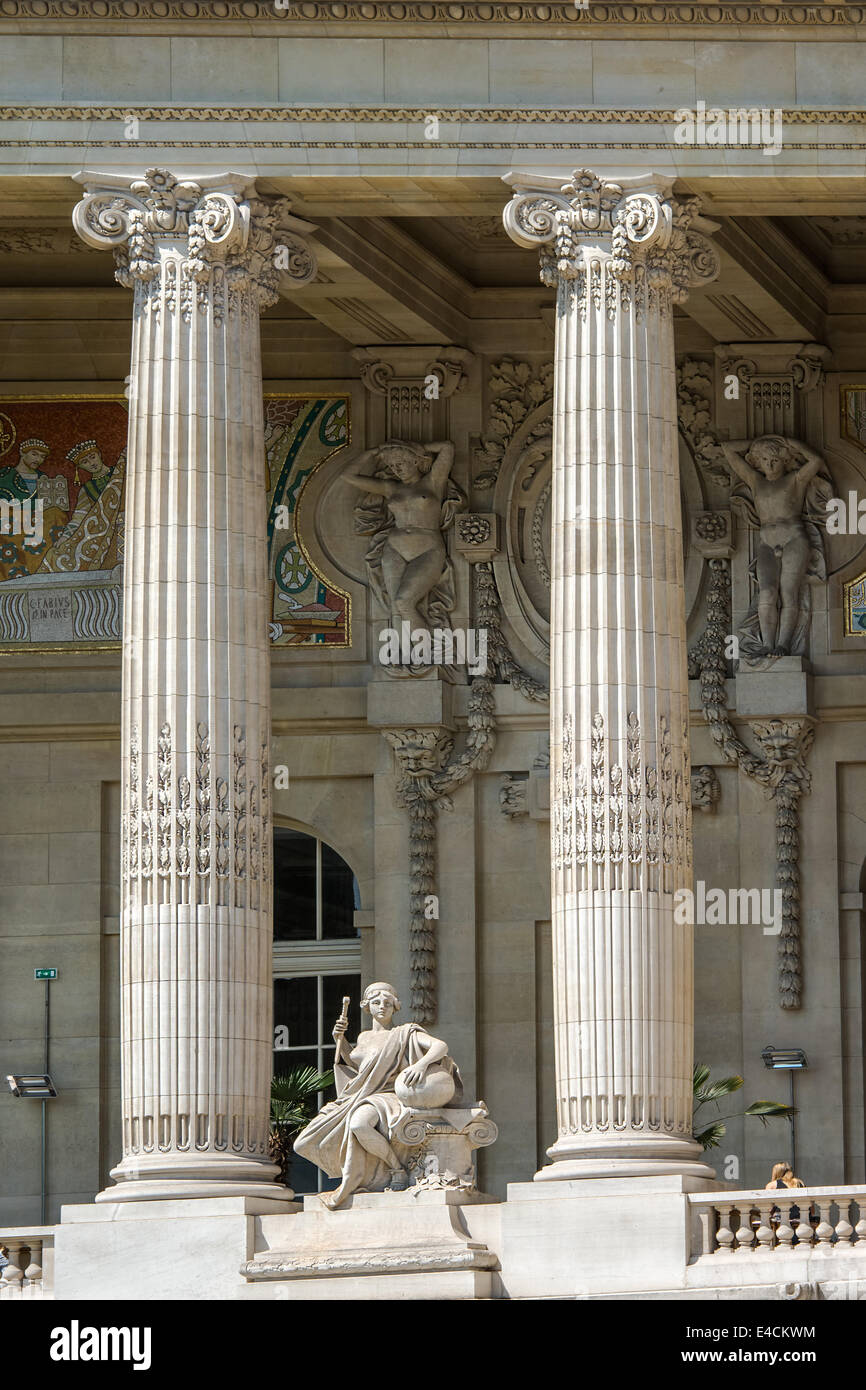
(316, 959)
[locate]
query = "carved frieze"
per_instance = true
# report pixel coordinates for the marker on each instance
(474, 12)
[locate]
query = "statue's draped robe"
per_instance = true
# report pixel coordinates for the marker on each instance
(327, 1140)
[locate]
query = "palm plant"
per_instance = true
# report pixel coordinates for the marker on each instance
(710, 1092)
(294, 1099)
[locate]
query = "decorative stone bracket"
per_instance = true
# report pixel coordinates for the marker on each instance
(444, 1142)
(411, 385)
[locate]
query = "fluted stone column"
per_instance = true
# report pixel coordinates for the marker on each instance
(196, 923)
(620, 256)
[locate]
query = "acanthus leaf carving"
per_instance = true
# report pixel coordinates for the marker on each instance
(622, 246)
(168, 829)
(201, 245)
(516, 390)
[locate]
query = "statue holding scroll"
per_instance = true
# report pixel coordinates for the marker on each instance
(388, 1071)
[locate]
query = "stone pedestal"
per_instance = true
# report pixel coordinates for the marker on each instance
(196, 915)
(620, 255)
(420, 1244)
(587, 1238)
(151, 1250)
(774, 688)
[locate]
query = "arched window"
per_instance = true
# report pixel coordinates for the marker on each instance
(317, 960)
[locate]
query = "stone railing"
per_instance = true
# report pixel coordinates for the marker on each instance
(831, 1219)
(30, 1271)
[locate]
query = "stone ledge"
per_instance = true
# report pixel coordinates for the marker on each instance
(416, 1260)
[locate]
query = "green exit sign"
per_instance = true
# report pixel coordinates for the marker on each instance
(45, 974)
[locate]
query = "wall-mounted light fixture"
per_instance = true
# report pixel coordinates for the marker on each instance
(789, 1059)
(32, 1087)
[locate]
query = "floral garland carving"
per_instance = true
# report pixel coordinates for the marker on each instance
(781, 771)
(499, 655)
(425, 787)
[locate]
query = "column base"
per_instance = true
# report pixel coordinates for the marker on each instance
(160, 1177)
(637, 1156)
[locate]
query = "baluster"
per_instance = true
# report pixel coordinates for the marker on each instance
(704, 1230)
(765, 1235)
(33, 1272)
(745, 1234)
(12, 1274)
(724, 1235)
(785, 1233)
(844, 1229)
(824, 1229)
(860, 1228)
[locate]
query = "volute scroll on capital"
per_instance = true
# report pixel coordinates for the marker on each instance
(632, 224)
(217, 220)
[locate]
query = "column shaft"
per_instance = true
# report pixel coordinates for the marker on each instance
(621, 832)
(196, 922)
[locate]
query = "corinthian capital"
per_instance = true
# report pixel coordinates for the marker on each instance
(635, 225)
(209, 222)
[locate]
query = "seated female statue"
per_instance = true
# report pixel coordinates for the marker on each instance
(350, 1138)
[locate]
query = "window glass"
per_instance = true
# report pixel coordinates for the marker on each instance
(296, 1006)
(339, 896)
(294, 885)
(315, 898)
(334, 988)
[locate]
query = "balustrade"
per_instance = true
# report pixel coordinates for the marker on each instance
(27, 1250)
(800, 1220)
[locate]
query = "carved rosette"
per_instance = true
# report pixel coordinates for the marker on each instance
(614, 246)
(187, 246)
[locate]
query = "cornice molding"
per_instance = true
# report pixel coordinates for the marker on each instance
(639, 15)
(399, 115)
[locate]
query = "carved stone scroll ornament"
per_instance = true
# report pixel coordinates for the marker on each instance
(471, 13)
(658, 250)
(781, 771)
(187, 246)
(413, 387)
